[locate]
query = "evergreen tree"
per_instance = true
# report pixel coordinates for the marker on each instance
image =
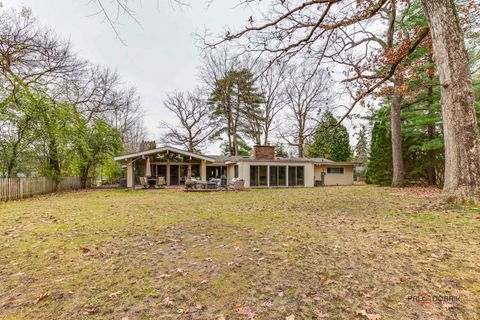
(236, 104)
(361, 148)
(330, 141)
(280, 150)
(243, 148)
(379, 168)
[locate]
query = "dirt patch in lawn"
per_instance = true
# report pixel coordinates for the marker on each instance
(324, 253)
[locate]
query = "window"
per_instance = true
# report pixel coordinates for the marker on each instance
(278, 176)
(296, 176)
(335, 170)
(236, 172)
(216, 172)
(258, 176)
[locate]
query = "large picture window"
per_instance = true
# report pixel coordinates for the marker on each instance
(259, 176)
(296, 176)
(278, 176)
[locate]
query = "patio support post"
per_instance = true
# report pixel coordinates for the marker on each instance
(203, 170)
(168, 173)
(130, 182)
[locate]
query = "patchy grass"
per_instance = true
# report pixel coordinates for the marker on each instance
(326, 253)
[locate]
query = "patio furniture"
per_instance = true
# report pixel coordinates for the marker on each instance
(161, 182)
(143, 182)
(151, 182)
(198, 184)
(223, 182)
(123, 183)
(237, 184)
(213, 184)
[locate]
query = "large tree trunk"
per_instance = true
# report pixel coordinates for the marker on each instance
(397, 151)
(301, 141)
(431, 170)
(462, 149)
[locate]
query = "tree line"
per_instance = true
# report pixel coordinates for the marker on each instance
(60, 115)
(378, 46)
(243, 102)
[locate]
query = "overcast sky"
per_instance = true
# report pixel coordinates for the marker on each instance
(158, 56)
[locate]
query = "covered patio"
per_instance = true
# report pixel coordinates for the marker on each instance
(167, 164)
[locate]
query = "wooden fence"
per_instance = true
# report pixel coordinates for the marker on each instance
(20, 188)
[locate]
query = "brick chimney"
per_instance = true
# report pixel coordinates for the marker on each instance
(265, 152)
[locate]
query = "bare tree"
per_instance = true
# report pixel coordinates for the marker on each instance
(194, 127)
(307, 93)
(127, 117)
(309, 27)
(271, 82)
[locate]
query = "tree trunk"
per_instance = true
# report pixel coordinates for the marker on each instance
(300, 146)
(397, 151)
(265, 138)
(235, 144)
(431, 170)
(462, 148)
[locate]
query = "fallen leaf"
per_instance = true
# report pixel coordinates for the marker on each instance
(290, 317)
(89, 311)
(181, 271)
(115, 294)
(84, 250)
(361, 313)
(167, 301)
(43, 296)
(448, 306)
(373, 316)
(245, 311)
(320, 315)
(163, 276)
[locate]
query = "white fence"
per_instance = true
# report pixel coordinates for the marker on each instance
(20, 188)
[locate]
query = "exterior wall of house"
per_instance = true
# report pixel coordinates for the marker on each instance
(334, 179)
(244, 170)
(230, 171)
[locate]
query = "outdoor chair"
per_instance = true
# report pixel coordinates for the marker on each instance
(237, 184)
(143, 182)
(223, 183)
(161, 182)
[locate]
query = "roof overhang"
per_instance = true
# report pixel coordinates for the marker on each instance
(160, 150)
(334, 163)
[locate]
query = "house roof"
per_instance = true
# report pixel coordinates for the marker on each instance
(163, 149)
(223, 159)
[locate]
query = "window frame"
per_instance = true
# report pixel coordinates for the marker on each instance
(340, 169)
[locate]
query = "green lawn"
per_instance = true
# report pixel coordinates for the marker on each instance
(322, 253)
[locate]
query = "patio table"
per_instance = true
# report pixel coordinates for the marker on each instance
(151, 182)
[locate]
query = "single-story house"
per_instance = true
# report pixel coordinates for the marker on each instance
(262, 169)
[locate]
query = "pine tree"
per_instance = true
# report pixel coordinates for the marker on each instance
(379, 168)
(280, 150)
(361, 148)
(330, 141)
(236, 103)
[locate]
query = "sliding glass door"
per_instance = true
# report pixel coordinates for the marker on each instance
(259, 176)
(278, 176)
(296, 176)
